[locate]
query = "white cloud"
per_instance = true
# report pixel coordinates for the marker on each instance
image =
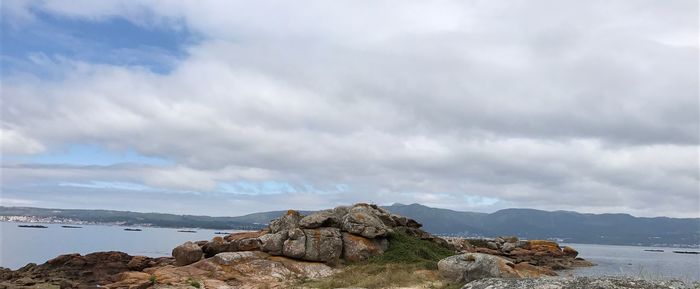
(469, 105)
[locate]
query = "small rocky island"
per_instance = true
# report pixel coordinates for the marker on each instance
(356, 246)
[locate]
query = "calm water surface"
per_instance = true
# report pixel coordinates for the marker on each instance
(634, 261)
(19, 246)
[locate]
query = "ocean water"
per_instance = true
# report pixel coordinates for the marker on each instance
(19, 246)
(634, 261)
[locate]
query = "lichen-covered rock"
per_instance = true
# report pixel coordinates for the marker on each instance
(289, 221)
(229, 258)
(578, 283)
(473, 266)
(273, 243)
(361, 220)
(244, 270)
(358, 248)
(323, 245)
(570, 252)
(248, 244)
(245, 235)
(295, 246)
(545, 246)
(218, 245)
(325, 218)
(187, 253)
(507, 247)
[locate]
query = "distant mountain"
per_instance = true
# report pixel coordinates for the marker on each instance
(572, 227)
(133, 218)
(618, 229)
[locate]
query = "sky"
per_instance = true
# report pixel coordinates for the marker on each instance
(230, 107)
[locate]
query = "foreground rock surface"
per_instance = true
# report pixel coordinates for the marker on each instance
(577, 283)
(542, 253)
(77, 271)
(473, 266)
(246, 269)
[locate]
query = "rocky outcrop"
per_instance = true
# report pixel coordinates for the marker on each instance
(75, 270)
(289, 221)
(323, 245)
(361, 220)
(578, 283)
(473, 266)
(248, 269)
(187, 253)
(351, 234)
(358, 248)
(542, 253)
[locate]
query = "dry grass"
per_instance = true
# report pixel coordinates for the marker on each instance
(407, 262)
(373, 276)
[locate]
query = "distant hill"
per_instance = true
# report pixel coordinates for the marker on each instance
(619, 229)
(572, 227)
(135, 218)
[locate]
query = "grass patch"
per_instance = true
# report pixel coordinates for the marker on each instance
(405, 249)
(407, 261)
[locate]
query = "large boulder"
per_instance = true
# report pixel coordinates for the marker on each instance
(295, 246)
(473, 266)
(323, 245)
(362, 220)
(358, 248)
(273, 243)
(187, 253)
(218, 245)
(545, 246)
(289, 221)
(325, 218)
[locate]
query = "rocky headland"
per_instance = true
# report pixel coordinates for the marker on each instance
(341, 247)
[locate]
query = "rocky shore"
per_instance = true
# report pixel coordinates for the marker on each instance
(578, 283)
(295, 249)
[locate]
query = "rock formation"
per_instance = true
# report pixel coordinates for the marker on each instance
(351, 234)
(542, 253)
(473, 266)
(578, 283)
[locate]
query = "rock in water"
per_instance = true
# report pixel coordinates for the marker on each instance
(358, 248)
(472, 266)
(187, 253)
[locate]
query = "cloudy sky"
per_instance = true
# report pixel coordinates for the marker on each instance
(232, 107)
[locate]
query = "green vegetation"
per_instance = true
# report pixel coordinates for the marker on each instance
(153, 280)
(407, 261)
(194, 283)
(404, 249)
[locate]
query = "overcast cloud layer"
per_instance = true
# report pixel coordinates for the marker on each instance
(471, 105)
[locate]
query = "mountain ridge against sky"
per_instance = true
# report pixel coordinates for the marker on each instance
(619, 229)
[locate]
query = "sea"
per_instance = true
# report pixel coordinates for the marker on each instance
(19, 246)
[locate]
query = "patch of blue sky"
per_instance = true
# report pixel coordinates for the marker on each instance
(109, 185)
(92, 155)
(256, 188)
(113, 40)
